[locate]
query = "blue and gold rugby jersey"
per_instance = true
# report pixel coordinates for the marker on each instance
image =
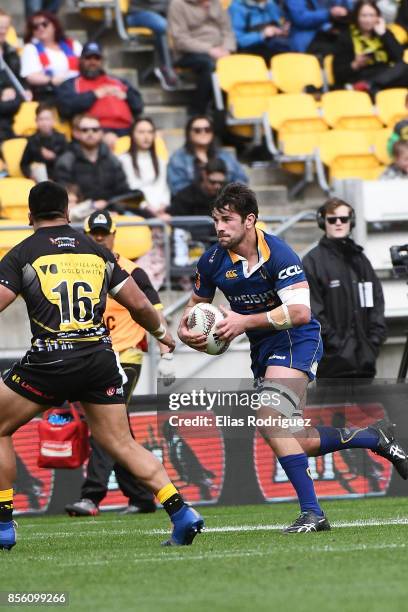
(64, 278)
(278, 267)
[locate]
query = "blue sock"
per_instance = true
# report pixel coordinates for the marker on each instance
(297, 470)
(334, 438)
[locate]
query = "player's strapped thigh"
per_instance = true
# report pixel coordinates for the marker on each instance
(278, 396)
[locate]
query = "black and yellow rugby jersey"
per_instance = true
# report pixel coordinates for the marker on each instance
(64, 278)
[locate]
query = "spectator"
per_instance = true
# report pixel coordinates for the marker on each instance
(259, 27)
(400, 131)
(49, 57)
(367, 54)
(10, 100)
(33, 6)
(201, 33)
(144, 169)
(315, 24)
(43, 147)
(114, 102)
(199, 148)
(346, 297)
(196, 199)
(152, 14)
(399, 168)
(79, 208)
(91, 166)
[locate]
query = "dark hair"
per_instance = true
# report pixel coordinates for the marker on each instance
(239, 198)
(59, 33)
(399, 147)
(215, 165)
(331, 204)
(44, 106)
(359, 5)
(47, 200)
(134, 150)
(212, 147)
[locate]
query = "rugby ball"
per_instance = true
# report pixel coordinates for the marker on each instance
(202, 320)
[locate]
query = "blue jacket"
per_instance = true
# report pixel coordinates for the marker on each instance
(246, 16)
(180, 169)
(307, 18)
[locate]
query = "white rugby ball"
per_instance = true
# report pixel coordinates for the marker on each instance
(202, 320)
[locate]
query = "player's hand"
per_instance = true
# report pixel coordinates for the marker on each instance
(192, 339)
(232, 326)
(166, 369)
(169, 341)
(380, 27)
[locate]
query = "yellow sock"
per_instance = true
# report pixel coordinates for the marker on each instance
(6, 505)
(6, 495)
(166, 492)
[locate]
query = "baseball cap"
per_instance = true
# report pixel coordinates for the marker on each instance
(100, 220)
(91, 48)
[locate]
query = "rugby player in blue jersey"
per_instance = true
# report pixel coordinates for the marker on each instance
(264, 282)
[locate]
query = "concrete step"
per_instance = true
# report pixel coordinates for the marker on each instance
(167, 117)
(154, 94)
(80, 35)
(130, 74)
(174, 138)
(271, 198)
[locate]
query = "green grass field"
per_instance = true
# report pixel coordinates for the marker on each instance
(242, 562)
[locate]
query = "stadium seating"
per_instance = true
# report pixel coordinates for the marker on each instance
(399, 32)
(295, 113)
(349, 110)
(24, 120)
(111, 12)
(380, 139)
(14, 198)
(132, 242)
(247, 84)
(390, 105)
(12, 151)
(328, 70)
(9, 238)
(349, 154)
(292, 72)
(12, 38)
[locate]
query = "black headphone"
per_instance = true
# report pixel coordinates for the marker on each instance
(321, 214)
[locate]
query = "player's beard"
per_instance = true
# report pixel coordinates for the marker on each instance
(231, 242)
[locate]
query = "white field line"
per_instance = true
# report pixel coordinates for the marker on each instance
(224, 529)
(210, 556)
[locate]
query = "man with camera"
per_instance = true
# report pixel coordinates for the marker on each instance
(346, 297)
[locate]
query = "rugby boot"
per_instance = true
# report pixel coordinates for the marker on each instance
(390, 448)
(8, 535)
(308, 522)
(186, 524)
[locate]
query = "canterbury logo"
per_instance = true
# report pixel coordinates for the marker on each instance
(396, 451)
(231, 274)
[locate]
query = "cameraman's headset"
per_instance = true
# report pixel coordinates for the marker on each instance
(321, 214)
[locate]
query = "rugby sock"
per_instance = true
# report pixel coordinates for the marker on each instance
(338, 438)
(298, 472)
(170, 499)
(6, 505)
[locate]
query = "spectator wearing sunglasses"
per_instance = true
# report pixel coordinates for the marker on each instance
(113, 101)
(200, 147)
(90, 165)
(346, 297)
(49, 57)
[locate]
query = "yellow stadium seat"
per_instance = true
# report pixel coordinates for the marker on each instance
(14, 198)
(380, 139)
(109, 12)
(12, 38)
(12, 151)
(9, 238)
(328, 69)
(349, 154)
(132, 242)
(241, 68)
(349, 110)
(24, 120)
(246, 100)
(391, 105)
(399, 32)
(122, 145)
(298, 113)
(405, 56)
(292, 72)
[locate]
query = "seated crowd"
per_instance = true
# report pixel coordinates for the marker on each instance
(70, 84)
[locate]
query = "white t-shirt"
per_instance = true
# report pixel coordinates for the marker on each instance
(30, 61)
(156, 191)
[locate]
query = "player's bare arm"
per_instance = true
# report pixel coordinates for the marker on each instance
(6, 297)
(141, 310)
(192, 339)
(283, 317)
